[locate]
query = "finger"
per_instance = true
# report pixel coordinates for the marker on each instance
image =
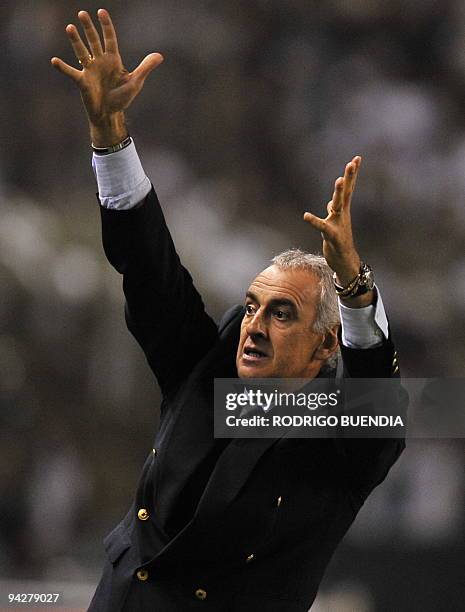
(337, 201)
(91, 33)
(79, 48)
(109, 33)
(66, 69)
(350, 179)
(149, 63)
(316, 222)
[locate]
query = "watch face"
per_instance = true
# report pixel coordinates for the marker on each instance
(368, 277)
(371, 281)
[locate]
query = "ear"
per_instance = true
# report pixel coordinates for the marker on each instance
(328, 345)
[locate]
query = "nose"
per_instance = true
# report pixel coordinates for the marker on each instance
(256, 326)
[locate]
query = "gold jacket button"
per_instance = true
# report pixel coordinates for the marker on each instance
(250, 558)
(278, 501)
(201, 594)
(154, 452)
(143, 514)
(142, 575)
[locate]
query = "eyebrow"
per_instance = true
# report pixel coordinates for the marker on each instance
(275, 302)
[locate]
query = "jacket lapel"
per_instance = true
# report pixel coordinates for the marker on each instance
(231, 473)
(229, 476)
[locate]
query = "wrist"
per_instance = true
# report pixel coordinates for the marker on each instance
(361, 285)
(108, 131)
(346, 274)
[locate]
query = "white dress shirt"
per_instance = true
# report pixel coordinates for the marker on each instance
(122, 183)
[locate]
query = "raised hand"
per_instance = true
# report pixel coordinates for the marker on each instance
(336, 230)
(107, 88)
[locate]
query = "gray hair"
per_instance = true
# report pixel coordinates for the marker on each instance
(327, 313)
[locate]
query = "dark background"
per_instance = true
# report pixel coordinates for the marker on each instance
(246, 125)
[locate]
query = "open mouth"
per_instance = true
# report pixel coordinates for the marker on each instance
(253, 354)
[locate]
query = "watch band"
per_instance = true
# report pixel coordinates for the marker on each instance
(362, 283)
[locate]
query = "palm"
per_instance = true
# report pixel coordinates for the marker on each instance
(107, 87)
(337, 236)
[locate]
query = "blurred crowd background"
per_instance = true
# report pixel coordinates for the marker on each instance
(246, 125)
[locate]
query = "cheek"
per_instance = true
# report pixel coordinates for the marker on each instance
(242, 337)
(297, 347)
(286, 346)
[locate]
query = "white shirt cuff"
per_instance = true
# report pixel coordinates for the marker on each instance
(364, 328)
(122, 182)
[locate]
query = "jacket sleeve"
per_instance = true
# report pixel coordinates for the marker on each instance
(368, 461)
(164, 311)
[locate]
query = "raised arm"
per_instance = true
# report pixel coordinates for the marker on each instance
(163, 309)
(367, 348)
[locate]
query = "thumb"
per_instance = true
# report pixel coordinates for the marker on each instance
(64, 68)
(149, 63)
(316, 222)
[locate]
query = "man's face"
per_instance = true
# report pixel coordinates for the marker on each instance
(276, 333)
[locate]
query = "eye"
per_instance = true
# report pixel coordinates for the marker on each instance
(249, 309)
(281, 315)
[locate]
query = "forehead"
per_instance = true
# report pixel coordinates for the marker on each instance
(300, 286)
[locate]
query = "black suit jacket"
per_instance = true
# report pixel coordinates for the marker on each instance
(233, 525)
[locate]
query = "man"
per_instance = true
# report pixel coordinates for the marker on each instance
(227, 525)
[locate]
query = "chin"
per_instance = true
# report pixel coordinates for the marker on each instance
(244, 371)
